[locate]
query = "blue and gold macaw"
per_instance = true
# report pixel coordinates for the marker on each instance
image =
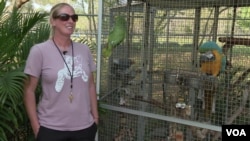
(212, 59)
(212, 63)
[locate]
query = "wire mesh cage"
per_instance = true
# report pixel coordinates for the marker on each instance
(180, 72)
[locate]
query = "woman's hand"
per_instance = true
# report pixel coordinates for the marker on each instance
(96, 119)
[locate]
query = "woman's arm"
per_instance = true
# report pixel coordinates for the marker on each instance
(30, 102)
(93, 99)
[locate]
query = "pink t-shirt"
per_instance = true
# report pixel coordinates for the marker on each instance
(54, 109)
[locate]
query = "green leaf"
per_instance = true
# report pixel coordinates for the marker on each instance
(3, 135)
(18, 33)
(6, 127)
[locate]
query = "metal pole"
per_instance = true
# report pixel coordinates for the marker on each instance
(195, 62)
(99, 50)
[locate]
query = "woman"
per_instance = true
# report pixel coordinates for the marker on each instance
(67, 109)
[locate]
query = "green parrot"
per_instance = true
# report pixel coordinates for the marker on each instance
(116, 35)
(212, 63)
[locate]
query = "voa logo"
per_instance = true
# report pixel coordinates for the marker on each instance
(236, 132)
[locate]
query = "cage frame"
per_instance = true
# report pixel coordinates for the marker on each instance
(194, 4)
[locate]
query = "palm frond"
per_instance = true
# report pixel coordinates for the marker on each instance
(2, 6)
(18, 33)
(15, 29)
(11, 105)
(8, 116)
(3, 135)
(11, 84)
(39, 34)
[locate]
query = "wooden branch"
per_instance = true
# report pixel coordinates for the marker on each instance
(237, 82)
(231, 41)
(237, 111)
(240, 109)
(226, 47)
(19, 3)
(241, 78)
(235, 41)
(153, 102)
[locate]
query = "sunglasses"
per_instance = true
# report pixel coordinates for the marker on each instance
(65, 17)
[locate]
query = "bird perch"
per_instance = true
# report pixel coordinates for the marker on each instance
(235, 41)
(237, 111)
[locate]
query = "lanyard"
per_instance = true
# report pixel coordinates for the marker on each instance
(70, 72)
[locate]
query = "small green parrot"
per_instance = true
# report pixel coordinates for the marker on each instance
(212, 63)
(116, 35)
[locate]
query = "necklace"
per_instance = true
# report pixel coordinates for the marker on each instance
(70, 72)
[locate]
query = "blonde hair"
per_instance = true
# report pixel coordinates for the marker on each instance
(54, 12)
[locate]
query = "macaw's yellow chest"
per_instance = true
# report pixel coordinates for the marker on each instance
(212, 67)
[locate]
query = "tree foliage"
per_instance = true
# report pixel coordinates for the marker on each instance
(244, 18)
(18, 32)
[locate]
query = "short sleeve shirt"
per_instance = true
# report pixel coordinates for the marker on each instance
(54, 109)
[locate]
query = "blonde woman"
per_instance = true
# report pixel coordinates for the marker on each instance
(67, 109)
